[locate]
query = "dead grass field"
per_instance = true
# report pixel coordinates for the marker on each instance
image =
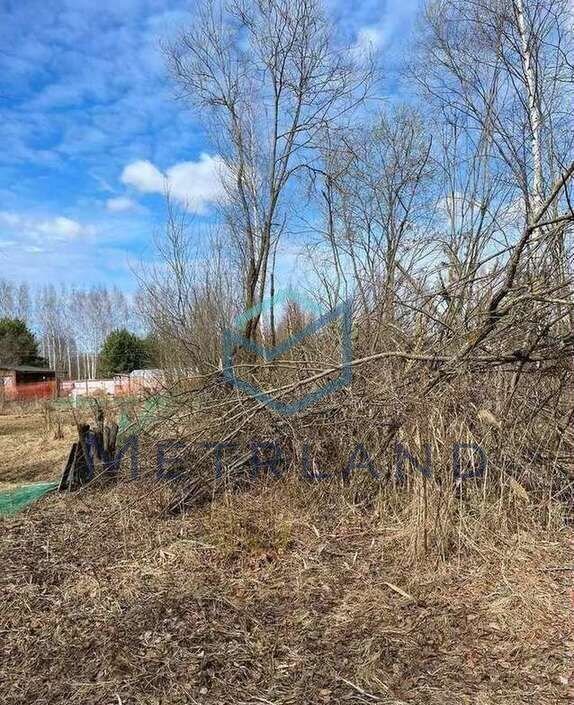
(274, 596)
(29, 449)
(285, 594)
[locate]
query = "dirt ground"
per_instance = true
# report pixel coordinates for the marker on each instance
(30, 447)
(270, 597)
(278, 595)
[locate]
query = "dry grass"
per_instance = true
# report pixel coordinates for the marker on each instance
(287, 593)
(30, 447)
(292, 592)
(35, 438)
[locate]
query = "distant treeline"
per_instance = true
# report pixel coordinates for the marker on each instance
(70, 324)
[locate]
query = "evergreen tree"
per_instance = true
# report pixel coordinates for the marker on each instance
(123, 351)
(18, 346)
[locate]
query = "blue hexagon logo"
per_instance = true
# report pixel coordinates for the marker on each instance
(232, 340)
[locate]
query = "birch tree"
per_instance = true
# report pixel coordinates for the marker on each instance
(503, 70)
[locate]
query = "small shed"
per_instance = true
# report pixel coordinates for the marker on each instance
(25, 374)
(24, 382)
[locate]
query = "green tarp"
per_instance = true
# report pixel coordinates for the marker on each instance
(12, 501)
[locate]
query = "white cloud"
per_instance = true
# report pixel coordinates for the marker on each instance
(10, 219)
(195, 184)
(370, 38)
(61, 227)
(390, 32)
(144, 176)
(121, 204)
(457, 205)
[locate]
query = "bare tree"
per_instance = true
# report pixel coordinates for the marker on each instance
(189, 297)
(271, 81)
(375, 191)
(502, 71)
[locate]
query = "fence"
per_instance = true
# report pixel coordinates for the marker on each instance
(29, 392)
(52, 389)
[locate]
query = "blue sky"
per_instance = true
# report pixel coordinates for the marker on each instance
(90, 129)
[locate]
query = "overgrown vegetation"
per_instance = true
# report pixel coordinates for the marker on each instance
(447, 222)
(358, 550)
